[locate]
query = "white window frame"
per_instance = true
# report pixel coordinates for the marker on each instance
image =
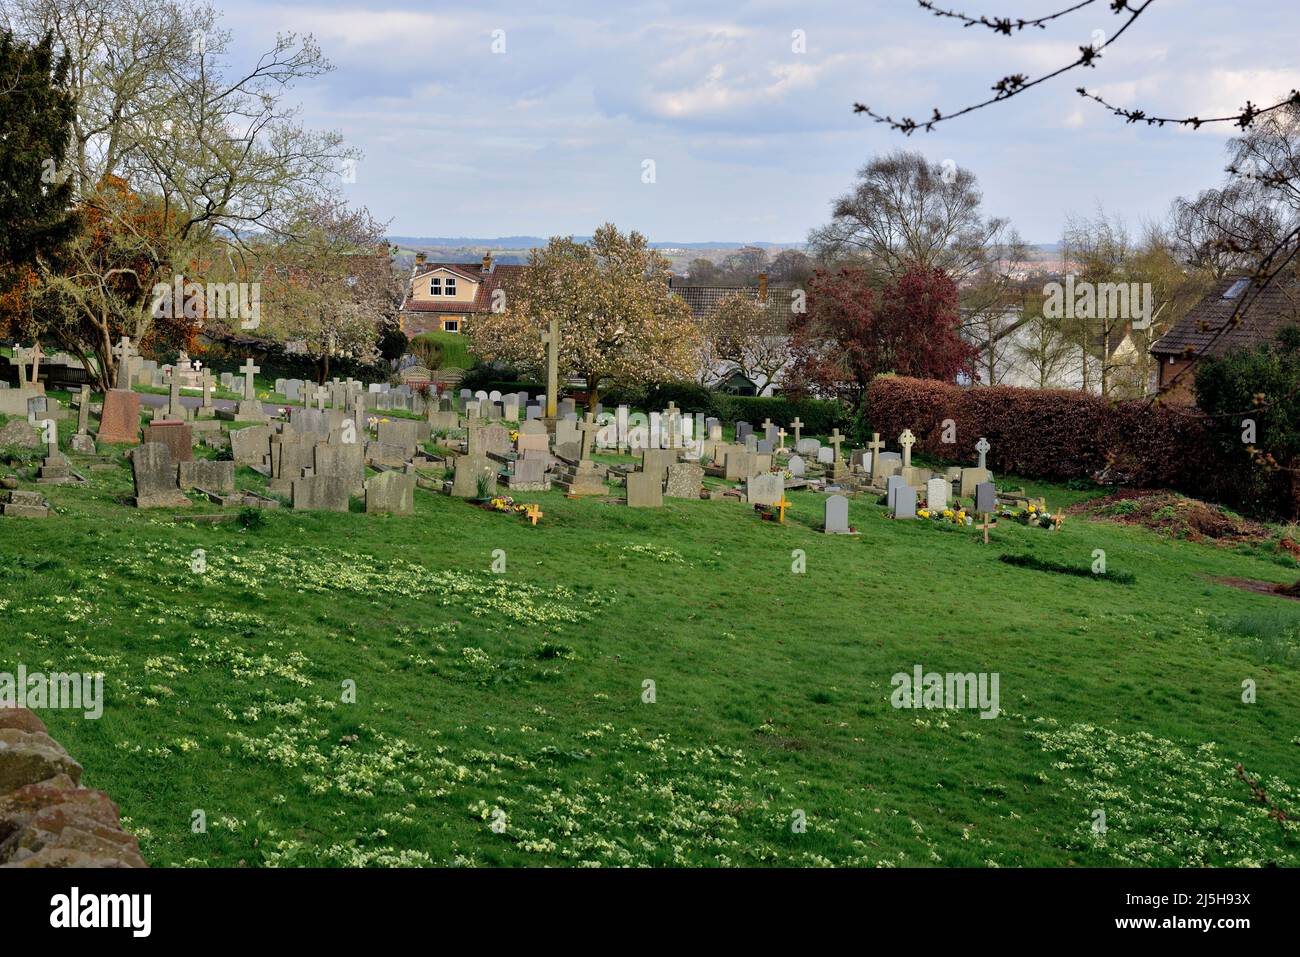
(451, 325)
(435, 286)
(449, 286)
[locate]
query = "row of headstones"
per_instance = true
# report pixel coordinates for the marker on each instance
(160, 482)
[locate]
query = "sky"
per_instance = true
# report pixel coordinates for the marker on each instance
(538, 118)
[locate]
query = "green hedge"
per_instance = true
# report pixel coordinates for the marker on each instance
(452, 349)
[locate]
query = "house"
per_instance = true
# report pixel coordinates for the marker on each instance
(445, 296)
(778, 303)
(1207, 330)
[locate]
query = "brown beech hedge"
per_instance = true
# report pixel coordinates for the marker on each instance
(1061, 435)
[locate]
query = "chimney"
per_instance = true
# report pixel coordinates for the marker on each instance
(487, 262)
(419, 261)
(762, 287)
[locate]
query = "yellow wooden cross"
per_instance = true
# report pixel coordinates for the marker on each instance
(533, 512)
(781, 506)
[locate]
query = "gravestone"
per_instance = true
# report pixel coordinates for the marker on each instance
(344, 460)
(644, 490)
(407, 433)
(892, 485)
(656, 461)
(986, 498)
(155, 477)
(740, 466)
(490, 440)
(798, 468)
(684, 480)
(971, 478)
(766, 489)
(885, 465)
(390, 492)
(904, 501)
(83, 411)
(529, 475)
(807, 446)
(825, 456)
(936, 494)
(251, 446)
(177, 436)
(468, 470)
(211, 476)
(321, 493)
(119, 420)
(19, 434)
(836, 516)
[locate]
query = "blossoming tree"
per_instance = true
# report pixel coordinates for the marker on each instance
(618, 321)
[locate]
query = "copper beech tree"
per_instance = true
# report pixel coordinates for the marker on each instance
(618, 321)
(853, 332)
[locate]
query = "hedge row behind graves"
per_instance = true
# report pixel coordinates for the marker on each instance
(1061, 435)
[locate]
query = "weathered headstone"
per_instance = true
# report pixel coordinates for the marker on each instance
(391, 492)
(644, 490)
(177, 436)
(211, 476)
(322, 493)
(155, 477)
(468, 470)
(765, 489)
(684, 480)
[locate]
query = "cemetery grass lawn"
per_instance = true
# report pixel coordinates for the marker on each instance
(523, 693)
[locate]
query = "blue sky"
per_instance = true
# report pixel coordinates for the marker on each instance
(751, 140)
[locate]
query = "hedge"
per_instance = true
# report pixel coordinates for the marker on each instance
(1061, 435)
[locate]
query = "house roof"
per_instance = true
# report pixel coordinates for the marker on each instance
(488, 282)
(1198, 332)
(705, 300)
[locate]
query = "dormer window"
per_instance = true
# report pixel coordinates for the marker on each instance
(435, 287)
(1236, 289)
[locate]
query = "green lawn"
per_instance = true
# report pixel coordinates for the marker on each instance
(517, 699)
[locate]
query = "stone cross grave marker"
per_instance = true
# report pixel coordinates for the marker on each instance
(551, 339)
(982, 447)
(589, 429)
(174, 407)
(206, 401)
(249, 370)
(875, 445)
(83, 412)
(123, 353)
(798, 429)
(906, 440)
(835, 440)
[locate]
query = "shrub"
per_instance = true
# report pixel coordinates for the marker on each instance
(1061, 435)
(819, 416)
(443, 350)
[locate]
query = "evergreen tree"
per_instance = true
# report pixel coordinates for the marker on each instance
(36, 112)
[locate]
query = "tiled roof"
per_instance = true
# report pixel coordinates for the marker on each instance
(704, 300)
(1195, 334)
(488, 282)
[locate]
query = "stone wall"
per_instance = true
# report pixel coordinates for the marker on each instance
(46, 818)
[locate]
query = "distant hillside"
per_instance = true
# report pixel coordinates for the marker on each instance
(530, 242)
